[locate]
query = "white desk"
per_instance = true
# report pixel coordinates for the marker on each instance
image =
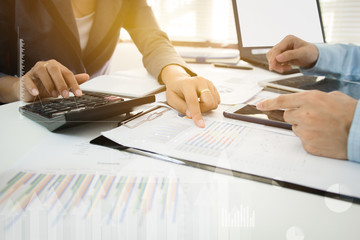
(212, 207)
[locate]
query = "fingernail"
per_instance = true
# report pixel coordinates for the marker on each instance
(65, 94)
(54, 93)
(188, 114)
(78, 93)
(280, 57)
(201, 123)
(35, 92)
(259, 105)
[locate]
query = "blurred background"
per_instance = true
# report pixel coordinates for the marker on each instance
(211, 22)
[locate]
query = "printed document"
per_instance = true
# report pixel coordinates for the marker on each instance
(236, 145)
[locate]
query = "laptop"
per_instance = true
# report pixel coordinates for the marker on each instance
(261, 24)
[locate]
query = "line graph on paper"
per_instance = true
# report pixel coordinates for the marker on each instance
(216, 137)
(117, 198)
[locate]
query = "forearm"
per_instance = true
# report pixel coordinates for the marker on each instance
(152, 42)
(354, 137)
(338, 61)
(9, 89)
(171, 72)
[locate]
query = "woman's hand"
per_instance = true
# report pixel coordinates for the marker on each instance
(189, 95)
(50, 79)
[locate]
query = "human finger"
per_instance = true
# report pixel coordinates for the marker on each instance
(215, 93)
(291, 116)
(284, 45)
(82, 77)
(71, 81)
(286, 101)
(54, 71)
(271, 57)
(289, 56)
(281, 67)
(40, 72)
(179, 104)
(30, 86)
(193, 106)
(176, 102)
(207, 97)
(207, 101)
(285, 60)
(295, 129)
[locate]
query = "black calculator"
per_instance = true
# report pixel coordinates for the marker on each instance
(59, 113)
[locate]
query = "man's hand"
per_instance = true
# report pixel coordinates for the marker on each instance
(50, 79)
(189, 95)
(321, 120)
(292, 51)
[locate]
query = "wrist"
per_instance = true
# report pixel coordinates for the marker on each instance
(313, 56)
(16, 88)
(9, 89)
(173, 72)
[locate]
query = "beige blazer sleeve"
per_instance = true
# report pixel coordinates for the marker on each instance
(153, 43)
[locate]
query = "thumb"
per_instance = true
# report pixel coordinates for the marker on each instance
(82, 77)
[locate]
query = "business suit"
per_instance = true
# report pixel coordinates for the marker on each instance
(49, 31)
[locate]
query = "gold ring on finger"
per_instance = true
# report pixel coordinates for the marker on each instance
(204, 91)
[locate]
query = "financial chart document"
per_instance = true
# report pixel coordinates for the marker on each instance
(235, 145)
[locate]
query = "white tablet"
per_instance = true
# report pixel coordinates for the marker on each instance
(302, 83)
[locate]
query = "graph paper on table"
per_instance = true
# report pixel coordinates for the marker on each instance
(216, 137)
(116, 197)
(263, 95)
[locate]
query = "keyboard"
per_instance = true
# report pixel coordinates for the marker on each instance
(60, 113)
(260, 58)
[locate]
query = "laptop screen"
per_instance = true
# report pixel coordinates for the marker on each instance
(264, 23)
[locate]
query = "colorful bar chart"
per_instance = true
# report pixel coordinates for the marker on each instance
(116, 197)
(213, 140)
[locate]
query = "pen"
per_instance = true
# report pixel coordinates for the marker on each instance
(232, 66)
(139, 114)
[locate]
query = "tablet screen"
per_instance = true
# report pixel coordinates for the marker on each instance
(323, 84)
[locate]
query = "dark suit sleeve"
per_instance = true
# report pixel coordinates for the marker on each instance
(153, 43)
(8, 38)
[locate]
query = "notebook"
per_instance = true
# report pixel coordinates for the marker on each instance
(261, 24)
(132, 83)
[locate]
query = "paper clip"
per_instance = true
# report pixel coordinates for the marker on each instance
(39, 101)
(150, 117)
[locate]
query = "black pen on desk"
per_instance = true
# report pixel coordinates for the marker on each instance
(232, 66)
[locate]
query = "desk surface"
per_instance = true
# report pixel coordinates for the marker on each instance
(214, 205)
